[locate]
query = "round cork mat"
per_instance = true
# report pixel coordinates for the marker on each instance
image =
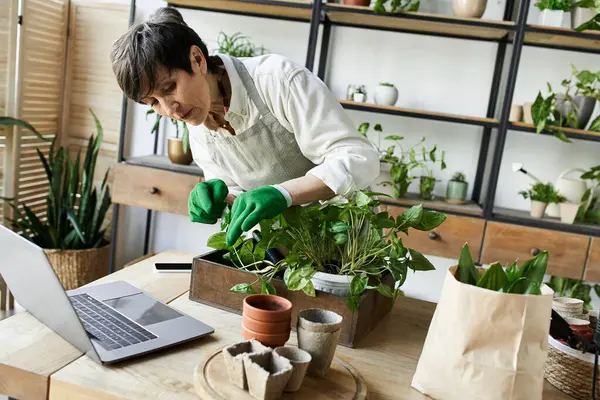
(343, 381)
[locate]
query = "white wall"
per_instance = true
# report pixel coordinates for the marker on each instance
(437, 74)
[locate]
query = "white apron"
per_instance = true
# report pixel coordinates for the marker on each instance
(264, 154)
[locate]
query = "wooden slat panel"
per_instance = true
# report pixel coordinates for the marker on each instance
(282, 10)
(592, 267)
(504, 243)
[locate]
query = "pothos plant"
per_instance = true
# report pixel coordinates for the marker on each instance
(185, 139)
(408, 159)
(588, 211)
(396, 5)
(342, 237)
(594, 23)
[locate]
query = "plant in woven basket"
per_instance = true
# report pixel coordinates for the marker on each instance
(75, 209)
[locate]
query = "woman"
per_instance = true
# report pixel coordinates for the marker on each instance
(266, 128)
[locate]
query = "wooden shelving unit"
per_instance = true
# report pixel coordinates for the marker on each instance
(524, 218)
(414, 113)
(280, 9)
(562, 38)
(570, 132)
(418, 22)
(412, 199)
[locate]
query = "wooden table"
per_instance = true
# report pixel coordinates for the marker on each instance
(36, 363)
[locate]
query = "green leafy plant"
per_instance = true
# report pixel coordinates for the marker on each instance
(396, 5)
(426, 187)
(75, 209)
(544, 192)
(238, 45)
(185, 138)
(592, 25)
(458, 177)
(573, 288)
(526, 279)
(556, 5)
(343, 237)
(588, 211)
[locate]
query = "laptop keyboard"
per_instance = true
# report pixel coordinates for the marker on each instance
(109, 326)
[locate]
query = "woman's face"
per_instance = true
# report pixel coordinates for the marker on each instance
(182, 96)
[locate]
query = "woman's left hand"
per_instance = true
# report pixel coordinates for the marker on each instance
(251, 207)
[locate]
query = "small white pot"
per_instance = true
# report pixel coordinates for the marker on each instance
(553, 18)
(568, 212)
(387, 95)
(338, 285)
(469, 8)
(359, 97)
(537, 209)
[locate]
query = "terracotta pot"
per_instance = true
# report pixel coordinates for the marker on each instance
(267, 308)
(364, 3)
(176, 153)
(266, 327)
(268, 339)
(300, 360)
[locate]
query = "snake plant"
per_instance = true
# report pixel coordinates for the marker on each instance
(75, 209)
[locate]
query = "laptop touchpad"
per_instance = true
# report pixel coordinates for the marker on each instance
(142, 309)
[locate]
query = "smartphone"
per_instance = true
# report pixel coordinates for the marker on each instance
(173, 267)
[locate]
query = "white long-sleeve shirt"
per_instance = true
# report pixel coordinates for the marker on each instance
(345, 160)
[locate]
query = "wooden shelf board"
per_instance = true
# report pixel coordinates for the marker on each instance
(419, 113)
(291, 9)
(163, 162)
(511, 215)
(419, 22)
(525, 127)
(412, 199)
(562, 37)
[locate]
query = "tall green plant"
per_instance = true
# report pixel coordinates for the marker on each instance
(75, 209)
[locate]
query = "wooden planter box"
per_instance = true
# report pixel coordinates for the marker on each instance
(212, 280)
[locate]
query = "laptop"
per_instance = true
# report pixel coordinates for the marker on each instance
(108, 322)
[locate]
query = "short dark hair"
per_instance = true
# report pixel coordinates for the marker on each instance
(164, 40)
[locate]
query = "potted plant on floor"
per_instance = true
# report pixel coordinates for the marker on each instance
(344, 247)
(553, 11)
(73, 233)
(541, 194)
(386, 93)
(456, 191)
(178, 149)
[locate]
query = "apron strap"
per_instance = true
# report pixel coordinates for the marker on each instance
(250, 87)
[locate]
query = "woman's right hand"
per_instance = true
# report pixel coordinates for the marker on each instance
(207, 201)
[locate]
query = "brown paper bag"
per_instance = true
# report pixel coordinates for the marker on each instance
(483, 344)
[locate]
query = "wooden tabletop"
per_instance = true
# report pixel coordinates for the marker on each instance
(34, 360)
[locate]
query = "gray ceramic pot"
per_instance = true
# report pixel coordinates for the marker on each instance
(583, 105)
(456, 192)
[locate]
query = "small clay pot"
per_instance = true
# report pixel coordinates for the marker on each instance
(267, 374)
(270, 340)
(318, 333)
(234, 360)
(266, 327)
(267, 308)
(363, 3)
(300, 360)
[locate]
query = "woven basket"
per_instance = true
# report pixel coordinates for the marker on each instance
(570, 370)
(76, 268)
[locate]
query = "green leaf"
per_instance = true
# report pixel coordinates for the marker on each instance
(494, 278)
(358, 284)
(385, 290)
(430, 220)
(362, 199)
(432, 153)
(535, 269)
(75, 224)
(363, 128)
(9, 121)
(309, 289)
(419, 262)
(341, 238)
(412, 216)
(353, 302)
(339, 227)
(294, 280)
(243, 288)
(467, 273)
(267, 288)
(218, 241)
(394, 137)
(524, 286)
(562, 136)
(512, 272)
(378, 128)
(185, 139)
(595, 125)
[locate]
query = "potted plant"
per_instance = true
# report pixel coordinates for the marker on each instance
(456, 191)
(588, 211)
(386, 93)
(553, 12)
(72, 233)
(344, 244)
(385, 6)
(426, 186)
(178, 149)
(577, 102)
(237, 45)
(360, 94)
(592, 25)
(541, 194)
(584, 11)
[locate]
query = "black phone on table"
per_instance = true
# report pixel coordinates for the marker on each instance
(173, 267)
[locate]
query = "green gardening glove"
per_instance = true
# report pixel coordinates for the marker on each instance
(207, 201)
(251, 207)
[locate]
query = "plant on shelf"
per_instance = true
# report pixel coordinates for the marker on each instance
(360, 94)
(343, 237)
(396, 5)
(72, 232)
(554, 5)
(542, 194)
(586, 15)
(592, 25)
(526, 279)
(456, 190)
(590, 208)
(573, 288)
(178, 148)
(238, 45)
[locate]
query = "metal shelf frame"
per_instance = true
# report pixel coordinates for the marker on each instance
(518, 34)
